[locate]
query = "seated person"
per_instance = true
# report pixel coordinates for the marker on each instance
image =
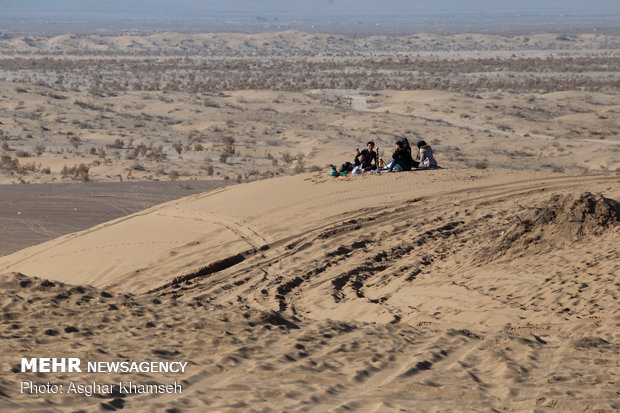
(401, 158)
(425, 156)
(366, 159)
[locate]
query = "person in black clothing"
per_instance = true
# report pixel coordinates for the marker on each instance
(367, 158)
(401, 158)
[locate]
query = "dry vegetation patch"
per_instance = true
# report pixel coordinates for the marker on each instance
(248, 107)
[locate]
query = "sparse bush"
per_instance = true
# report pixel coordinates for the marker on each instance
(209, 168)
(30, 167)
(223, 157)
(75, 141)
(287, 158)
(229, 144)
(8, 164)
(481, 165)
(301, 165)
(39, 149)
(117, 144)
(82, 173)
(76, 172)
(155, 153)
(267, 174)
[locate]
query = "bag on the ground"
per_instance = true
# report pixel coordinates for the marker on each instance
(346, 167)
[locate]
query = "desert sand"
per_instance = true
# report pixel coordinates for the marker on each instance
(440, 290)
(32, 214)
(488, 285)
(238, 107)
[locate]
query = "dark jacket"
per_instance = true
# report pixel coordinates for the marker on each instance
(402, 156)
(367, 159)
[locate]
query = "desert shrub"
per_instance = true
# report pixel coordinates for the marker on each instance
(117, 144)
(79, 172)
(223, 157)
(481, 165)
(39, 149)
(174, 175)
(300, 167)
(22, 154)
(5, 146)
(155, 153)
(287, 158)
(75, 141)
(8, 164)
(267, 174)
(89, 106)
(30, 167)
(209, 168)
(178, 147)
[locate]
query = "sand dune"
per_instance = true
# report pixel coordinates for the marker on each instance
(446, 290)
(488, 285)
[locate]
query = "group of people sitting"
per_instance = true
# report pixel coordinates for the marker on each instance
(402, 159)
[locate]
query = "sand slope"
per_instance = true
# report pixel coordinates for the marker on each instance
(447, 290)
(146, 249)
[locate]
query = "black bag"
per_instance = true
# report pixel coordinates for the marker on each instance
(346, 167)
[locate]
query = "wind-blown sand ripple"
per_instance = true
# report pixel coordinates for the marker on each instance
(308, 293)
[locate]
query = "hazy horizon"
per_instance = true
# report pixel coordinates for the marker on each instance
(189, 8)
(64, 15)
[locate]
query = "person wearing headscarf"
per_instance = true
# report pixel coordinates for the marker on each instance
(425, 156)
(401, 158)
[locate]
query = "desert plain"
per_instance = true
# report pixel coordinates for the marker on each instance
(174, 203)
